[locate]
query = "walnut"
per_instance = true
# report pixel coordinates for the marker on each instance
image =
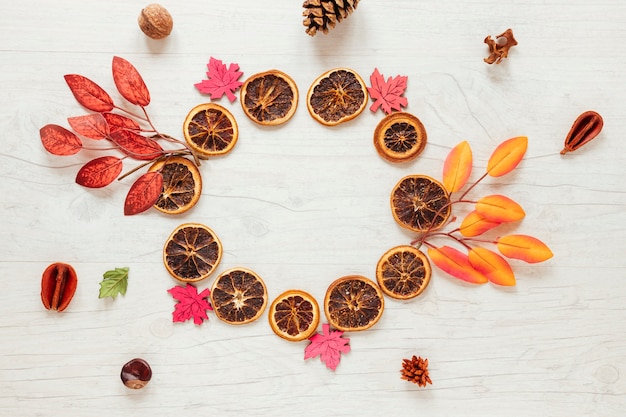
(155, 21)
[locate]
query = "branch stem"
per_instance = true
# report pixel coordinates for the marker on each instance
(473, 185)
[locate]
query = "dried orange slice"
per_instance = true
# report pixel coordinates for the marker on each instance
(269, 98)
(182, 184)
(403, 272)
(192, 252)
(337, 96)
(210, 129)
(238, 296)
(353, 303)
(400, 137)
(294, 315)
(420, 203)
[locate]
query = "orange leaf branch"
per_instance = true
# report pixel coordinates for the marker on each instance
(457, 167)
(472, 186)
(493, 266)
(474, 225)
(503, 160)
(499, 209)
(507, 156)
(429, 232)
(455, 263)
(449, 235)
(479, 264)
(523, 247)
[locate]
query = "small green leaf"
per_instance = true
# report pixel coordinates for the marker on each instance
(114, 282)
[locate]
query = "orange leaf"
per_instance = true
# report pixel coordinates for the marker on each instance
(492, 265)
(506, 156)
(500, 209)
(525, 248)
(455, 263)
(457, 167)
(474, 225)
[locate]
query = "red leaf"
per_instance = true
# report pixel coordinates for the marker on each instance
(190, 304)
(474, 225)
(118, 122)
(492, 265)
(507, 156)
(136, 146)
(59, 141)
(99, 172)
(143, 193)
(328, 345)
(89, 94)
(499, 209)
(92, 126)
(221, 80)
(387, 94)
(525, 248)
(457, 167)
(129, 83)
(455, 263)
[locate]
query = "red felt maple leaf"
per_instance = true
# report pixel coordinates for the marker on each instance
(190, 303)
(221, 80)
(387, 94)
(328, 345)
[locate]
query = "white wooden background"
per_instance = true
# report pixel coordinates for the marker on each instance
(303, 204)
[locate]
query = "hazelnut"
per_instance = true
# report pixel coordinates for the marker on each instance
(155, 21)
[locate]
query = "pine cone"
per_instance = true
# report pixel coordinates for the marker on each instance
(416, 371)
(323, 15)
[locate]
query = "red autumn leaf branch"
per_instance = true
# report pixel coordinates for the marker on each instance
(99, 172)
(475, 263)
(129, 82)
(89, 94)
(121, 129)
(143, 193)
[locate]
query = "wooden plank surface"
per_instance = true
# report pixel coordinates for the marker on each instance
(303, 204)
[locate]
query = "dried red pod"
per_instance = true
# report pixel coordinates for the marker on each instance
(58, 285)
(586, 127)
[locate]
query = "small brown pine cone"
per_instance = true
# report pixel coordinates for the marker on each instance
(323, 15)
(416, 370)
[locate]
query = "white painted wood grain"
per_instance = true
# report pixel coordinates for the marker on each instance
(303, 204)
